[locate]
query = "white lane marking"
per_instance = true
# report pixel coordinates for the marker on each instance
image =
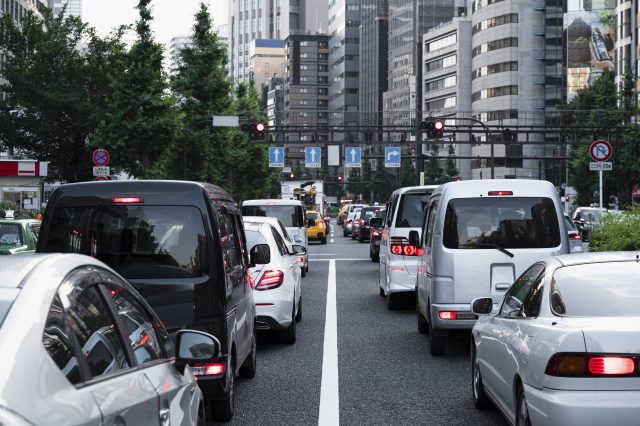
(331, 240)
(329, 399)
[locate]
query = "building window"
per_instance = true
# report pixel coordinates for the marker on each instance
(442, 103)
(495, 45)
(510, 114)
(510, 18)
(439, 63)
(479, 4)
(443, 42)
(440, 83)
(494, 92)
(494, 69)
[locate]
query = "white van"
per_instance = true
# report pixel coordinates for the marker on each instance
(477, 237)
(289, 212)
(398, 264)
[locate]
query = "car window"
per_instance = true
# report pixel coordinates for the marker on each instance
(242, 238)
(228, 241)
(312, 216)
(282, 247)
(431, 221)
(284, 232)
(515, 296)
(290, 216)
(391, 210)
(411, 209)
(35, 227)
(533, 300)
(58, 342)
(10, 235)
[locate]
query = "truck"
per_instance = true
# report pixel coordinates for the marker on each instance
(310, 192)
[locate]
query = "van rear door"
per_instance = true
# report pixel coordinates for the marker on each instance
(408, 218)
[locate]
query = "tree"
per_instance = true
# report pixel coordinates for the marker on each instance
(407, 173)
(56, 92)
(141, 124)
(451, 171)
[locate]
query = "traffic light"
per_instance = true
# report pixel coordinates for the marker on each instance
(433, 126)
(255, 128)
(339, 179)
(292, 176)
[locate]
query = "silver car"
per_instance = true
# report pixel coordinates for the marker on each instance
(81, 347)
(563, 346)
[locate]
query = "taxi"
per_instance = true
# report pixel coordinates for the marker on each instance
(316, 228)
(18, 235)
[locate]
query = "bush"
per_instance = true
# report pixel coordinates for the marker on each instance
(617, 233)
(7, 205)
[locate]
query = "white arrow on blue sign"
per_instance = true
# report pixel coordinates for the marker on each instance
(312, 156)
(353, 156)
(276, 156)
(392, 156)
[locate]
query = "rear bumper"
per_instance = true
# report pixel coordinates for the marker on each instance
(215, 388)
(584, 408)
(457, 324)
(400, 277)
(277, 315)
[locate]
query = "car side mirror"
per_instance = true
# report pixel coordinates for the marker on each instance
(414, 238)
(298, 249)
(375, 222)
(260, 254)
(195, 347)
(482, 306)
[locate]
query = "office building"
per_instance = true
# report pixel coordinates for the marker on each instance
(273, 103)
(374, 29)
(626, 41)
(74, 7)
(266, 60)
(175, 46)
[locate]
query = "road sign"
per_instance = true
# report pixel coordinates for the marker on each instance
(101, 171)
(276, 156)
(353, 156)
(392, 155)
(226, 121)
(600, 150)
(601, 165)
(99, 178)
(312, 155)
(100, 157)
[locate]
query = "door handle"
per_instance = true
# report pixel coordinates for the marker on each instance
(165, 419)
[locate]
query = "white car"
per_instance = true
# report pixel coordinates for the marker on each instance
(276, 279)
(563, 346)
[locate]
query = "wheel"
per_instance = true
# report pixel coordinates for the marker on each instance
(423, 325)
(303, 271)
(223, 409)
(299, 314)
(382, 292)
(323, 239)
(248, 369)
(288, 335)
(392, 302)
(376, 257)
(480, 398)
(437, 344)
(344, 234)
(353, 236)
(306, 268)
(202, 418)
(522, 417)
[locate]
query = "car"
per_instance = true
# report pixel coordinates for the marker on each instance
(364, 230)
(398, 266)
(587, 219)
(376, 224)
(277, 281)
(18, 235)
(355, 222)
(283, 233)
(182, 245)
(64, 330)
(478, 236)
(561, 348)
(575, 239)
(289, 212)
(342, 214)
(348, 219)
(316, 227)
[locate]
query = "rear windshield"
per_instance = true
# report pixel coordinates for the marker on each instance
(410, 210)
(10, 235)
(254, 238)
(312, 216)
(368, 213)
(137, 241)
(597, 290)
(509, 222)
(290, 216)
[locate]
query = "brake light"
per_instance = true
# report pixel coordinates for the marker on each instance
(611, 365)
(491, 193)
(212, 369)
(375, 233)
(400, 246)
(446, 315)
(587, 365)
(575, 236)
(127, 200)
(270, 280)
(143, 340)
(252, 281)
(396, 249)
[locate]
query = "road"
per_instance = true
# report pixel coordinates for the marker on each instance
(385, 374)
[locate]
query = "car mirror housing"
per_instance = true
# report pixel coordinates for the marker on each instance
(195, 346)
(298, 249)
(260, 254)
(482, 306)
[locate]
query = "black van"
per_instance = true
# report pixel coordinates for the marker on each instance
(182, 245)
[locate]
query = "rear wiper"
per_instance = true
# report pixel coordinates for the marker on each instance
(495, 246)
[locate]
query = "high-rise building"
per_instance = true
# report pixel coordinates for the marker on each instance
(374, 30)
(176, 45)
(267, 60)
(274, 102)
(74, 7)
(626, 39)
(268, 19)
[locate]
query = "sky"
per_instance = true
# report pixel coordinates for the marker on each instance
(171, 17)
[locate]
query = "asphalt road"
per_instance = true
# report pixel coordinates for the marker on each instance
(385, 373)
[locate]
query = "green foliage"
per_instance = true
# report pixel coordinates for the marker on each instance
(451, 171)
(607, 18)
(433, 173)
(7, 205)
(618, 232)
(407, 175)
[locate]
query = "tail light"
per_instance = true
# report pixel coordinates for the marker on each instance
(270, 280)
(212, 369)
(493, 193)
(400, 247)
(375, 233)
(447, 315)
(299, 259)
(575, 236)
(252, 281)
(592, 365)
(127, 200)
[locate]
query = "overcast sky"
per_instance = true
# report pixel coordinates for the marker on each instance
(171, 17)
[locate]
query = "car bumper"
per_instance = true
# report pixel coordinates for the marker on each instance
(561, 407)
(214, 388)
(455, 324)
(274, 313)
(400, 280)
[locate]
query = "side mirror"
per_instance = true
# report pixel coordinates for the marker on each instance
(195, 347)
(414, 238)
(375, 222)
(482, 306)
(260, 254)
(298, 249)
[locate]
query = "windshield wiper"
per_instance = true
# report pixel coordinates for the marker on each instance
(495, 246)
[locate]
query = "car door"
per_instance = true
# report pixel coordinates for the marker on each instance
(501, 337)
(247, 307)
(152, 348)
(123, 393)
(425, 267)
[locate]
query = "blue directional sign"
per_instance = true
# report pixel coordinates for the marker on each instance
(392, 156)
(276, 156)
(353, 156)
(312, 156)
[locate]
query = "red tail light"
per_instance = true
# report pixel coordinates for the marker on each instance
(127, 200)
(212, 369)
(375, 233)
(252, 281)
(575, 236)
(270, 280)
(589, 365)
(299, 259)
(400, 246)
(396, 249)
(446, 315)
(500, 193)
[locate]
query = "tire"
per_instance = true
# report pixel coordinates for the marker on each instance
(288, 335)
(360, 240)
(522, 410)
(344, 234)
(323, 240)
(382, 292)
(299, 314)
(437, 344)
(223, 409)
(480, 398)
(303, 271)
(376, 258)
(202, 418)
(392, 302)
(306, 268)
(248, 369)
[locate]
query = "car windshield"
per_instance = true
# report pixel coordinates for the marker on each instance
(290, 216)
(508, 222)
(597, 290)
(137, 241)
(10, 235)
(411, 209)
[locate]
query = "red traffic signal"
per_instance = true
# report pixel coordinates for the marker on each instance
(256, 128)
(433, 126)
(340, 179)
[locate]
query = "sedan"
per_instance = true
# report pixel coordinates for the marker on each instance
(276, 280)
(81, 346)
(563, 346)
(18, 235)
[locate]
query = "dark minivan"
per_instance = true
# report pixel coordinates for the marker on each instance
(182, 245)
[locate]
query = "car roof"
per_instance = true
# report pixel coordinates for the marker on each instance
(272, 202)
(15, 270)
(480, 188)
(597, 257)
(257, 227)
(406, 189)
(9, 220)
